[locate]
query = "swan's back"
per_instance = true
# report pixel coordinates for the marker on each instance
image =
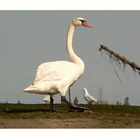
(62, 71)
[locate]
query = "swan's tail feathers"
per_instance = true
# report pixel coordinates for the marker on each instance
(30, 89)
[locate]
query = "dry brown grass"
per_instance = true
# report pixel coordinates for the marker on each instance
(39, 116)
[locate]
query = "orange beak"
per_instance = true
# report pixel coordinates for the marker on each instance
(86, 25)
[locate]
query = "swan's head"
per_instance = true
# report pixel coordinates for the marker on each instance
(79, 21)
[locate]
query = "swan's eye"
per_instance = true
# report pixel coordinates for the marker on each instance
(82, 20)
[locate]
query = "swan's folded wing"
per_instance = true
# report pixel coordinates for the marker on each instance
(53, 71)
(45, 71)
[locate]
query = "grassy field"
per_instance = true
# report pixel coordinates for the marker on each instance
(39, 116)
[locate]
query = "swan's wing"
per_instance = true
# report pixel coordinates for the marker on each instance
(45, 70)
(53, 71)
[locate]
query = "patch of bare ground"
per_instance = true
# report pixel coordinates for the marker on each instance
(49, 123)
(36, 116)
(92, 121)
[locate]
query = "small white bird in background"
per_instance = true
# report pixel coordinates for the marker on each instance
(89, 97)
(46, 99)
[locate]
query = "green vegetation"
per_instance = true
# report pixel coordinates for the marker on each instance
(39, 116)
(42, 111)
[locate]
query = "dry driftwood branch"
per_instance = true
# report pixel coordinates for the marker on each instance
(120, 59)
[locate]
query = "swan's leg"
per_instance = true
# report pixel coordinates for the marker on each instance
(69, 91)
(72, 106)
(51, 104)
(65, 100)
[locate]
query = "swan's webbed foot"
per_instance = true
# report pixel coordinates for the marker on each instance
(73, 107)
(77, 108)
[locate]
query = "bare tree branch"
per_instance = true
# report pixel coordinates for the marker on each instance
(119, 59)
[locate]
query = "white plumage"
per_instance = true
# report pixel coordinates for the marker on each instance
(88, 97)
(46, 98)
(56, 77)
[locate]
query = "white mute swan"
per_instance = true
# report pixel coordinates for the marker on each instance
(88, 97)
(57, 76)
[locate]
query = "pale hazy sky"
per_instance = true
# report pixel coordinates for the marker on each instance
(29, 38)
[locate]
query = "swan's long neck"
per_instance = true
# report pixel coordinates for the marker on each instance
(75, 59)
